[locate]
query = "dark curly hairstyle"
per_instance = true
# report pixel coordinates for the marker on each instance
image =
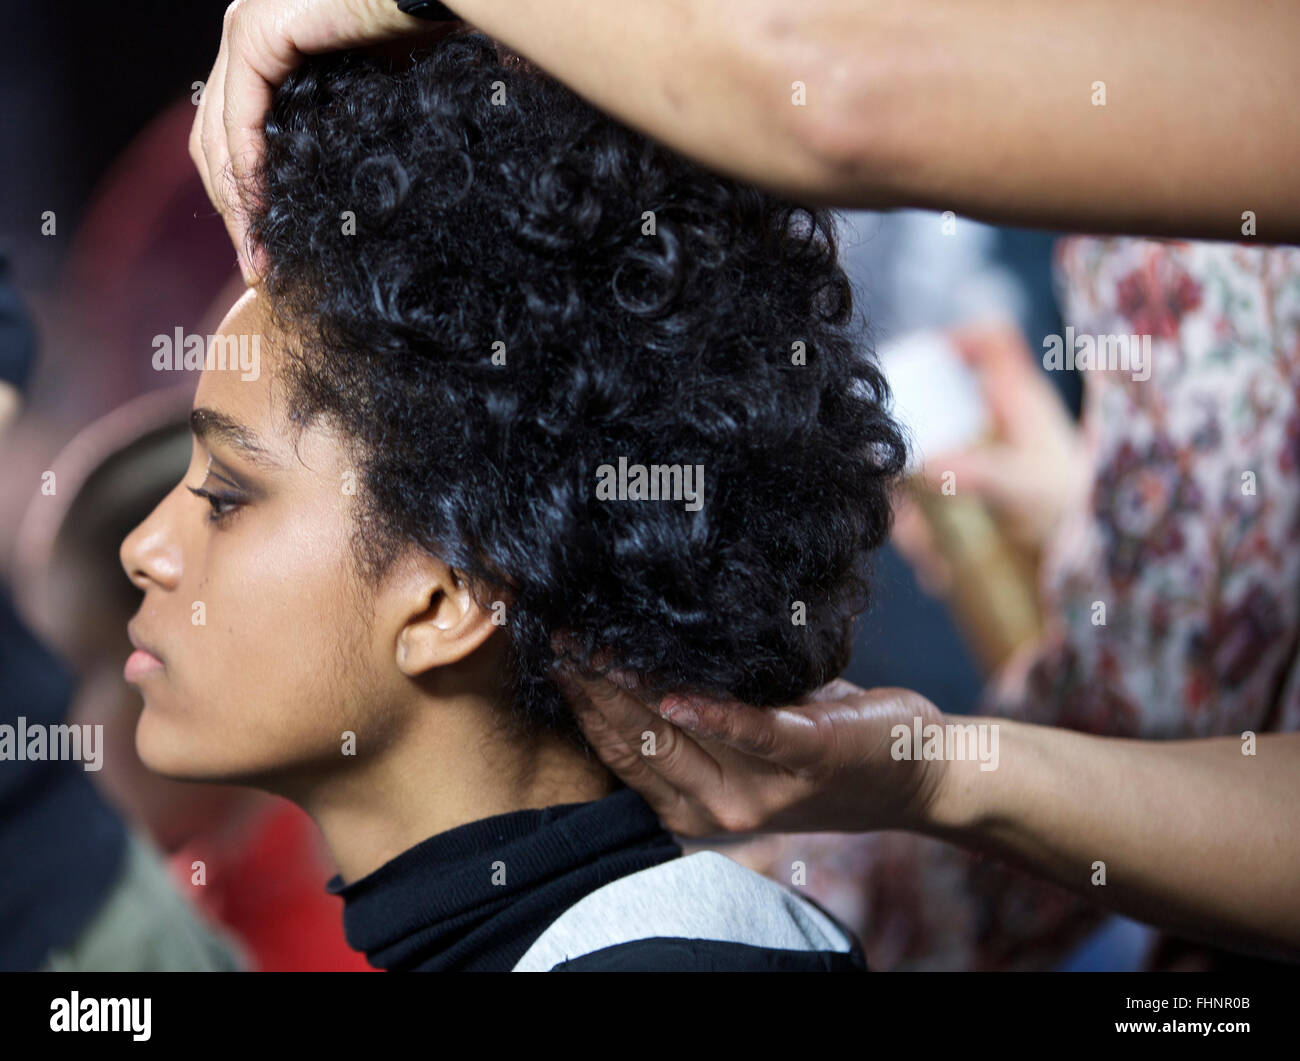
(491, 205)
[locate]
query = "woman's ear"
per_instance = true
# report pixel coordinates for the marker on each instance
(441, 623)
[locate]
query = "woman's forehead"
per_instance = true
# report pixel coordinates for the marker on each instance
(247, 314)
(228, 387)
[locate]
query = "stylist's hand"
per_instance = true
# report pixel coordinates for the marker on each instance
(725, 767)
(262, 41)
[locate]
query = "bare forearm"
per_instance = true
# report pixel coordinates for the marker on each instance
(712, 80)
(1195, 836)
(993, 108)
(985, 107)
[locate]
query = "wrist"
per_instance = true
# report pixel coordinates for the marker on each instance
(964, 789)
(426, 10)
(387, 17)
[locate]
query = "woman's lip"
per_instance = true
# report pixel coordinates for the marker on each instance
(138, 643)
(139, 663)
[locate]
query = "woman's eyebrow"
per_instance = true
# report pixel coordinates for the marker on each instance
(210, 424)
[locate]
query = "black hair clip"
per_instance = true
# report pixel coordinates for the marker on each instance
(428, 9)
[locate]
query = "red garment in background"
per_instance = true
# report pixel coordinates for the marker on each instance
(271, 894)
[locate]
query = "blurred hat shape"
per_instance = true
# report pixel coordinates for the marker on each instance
(68, 580)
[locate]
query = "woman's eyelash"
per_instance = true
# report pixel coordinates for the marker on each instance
(216, 514)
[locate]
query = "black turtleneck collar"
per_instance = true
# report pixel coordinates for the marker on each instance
(435, 907)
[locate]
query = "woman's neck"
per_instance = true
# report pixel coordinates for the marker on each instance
(452, 767)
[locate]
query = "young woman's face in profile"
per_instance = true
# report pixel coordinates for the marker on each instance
(251, 602)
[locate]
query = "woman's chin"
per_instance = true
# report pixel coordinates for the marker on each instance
(168, 753)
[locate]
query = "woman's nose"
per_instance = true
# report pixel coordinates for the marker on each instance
(150, 554)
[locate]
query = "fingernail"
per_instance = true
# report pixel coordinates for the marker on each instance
(680, 714)
(625, 679)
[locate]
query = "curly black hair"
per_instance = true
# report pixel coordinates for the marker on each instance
(496, 290)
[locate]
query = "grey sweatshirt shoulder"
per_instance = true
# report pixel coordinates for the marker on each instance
(701, 912)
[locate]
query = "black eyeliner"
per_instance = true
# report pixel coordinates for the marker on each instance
(229, 482)
(245, 491)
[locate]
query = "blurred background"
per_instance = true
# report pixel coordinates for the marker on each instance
(1060, 492)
